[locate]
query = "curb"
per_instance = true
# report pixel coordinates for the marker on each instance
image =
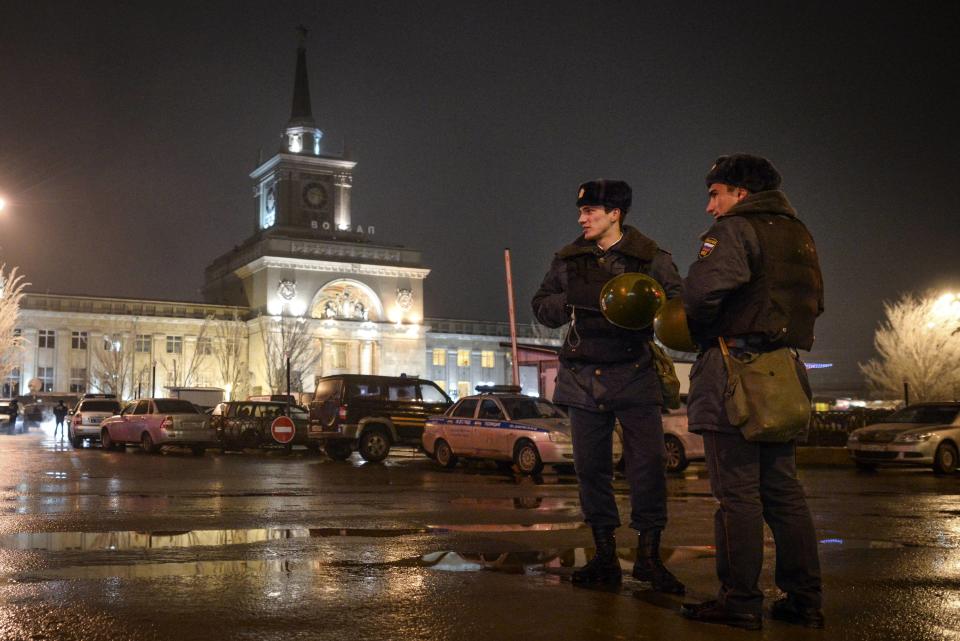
(823, 456)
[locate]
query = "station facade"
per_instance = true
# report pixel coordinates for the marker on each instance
(309, 285)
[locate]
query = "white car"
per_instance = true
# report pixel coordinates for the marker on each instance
(530, 432)
(926, 434)
(87, 417)
(682, 445)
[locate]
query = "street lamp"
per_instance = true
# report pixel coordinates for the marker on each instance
(3, 203)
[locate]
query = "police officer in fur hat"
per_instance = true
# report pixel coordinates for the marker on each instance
(607, 373)
(756, 286)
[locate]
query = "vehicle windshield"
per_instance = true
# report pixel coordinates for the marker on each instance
(298, 414)
(100, 406)
(175, 406)
(925, 414)
(521, 408)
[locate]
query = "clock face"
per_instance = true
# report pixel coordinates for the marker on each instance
(314, 195)
(271, 200)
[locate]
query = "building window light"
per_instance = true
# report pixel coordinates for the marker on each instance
(295, 143)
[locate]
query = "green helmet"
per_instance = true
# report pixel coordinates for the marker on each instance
(670, 326)
(631, 300)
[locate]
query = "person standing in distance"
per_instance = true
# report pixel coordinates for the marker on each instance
(59, 413)
(607, 373)
(757, 286)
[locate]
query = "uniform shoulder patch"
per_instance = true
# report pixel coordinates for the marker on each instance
(708, 246)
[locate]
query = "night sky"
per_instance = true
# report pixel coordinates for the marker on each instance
(127, 133)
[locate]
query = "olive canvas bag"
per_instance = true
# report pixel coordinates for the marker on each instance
(667, 374)
(764, 395)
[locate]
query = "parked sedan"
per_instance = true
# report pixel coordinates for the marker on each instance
(156, 422)
(530, 432)
(246, 424)
(681, 444)
(87, 416)
(925, 434)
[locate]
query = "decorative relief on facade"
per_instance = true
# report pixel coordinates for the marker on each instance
(275, 262)
(346, 300)
(307, 248)
(287, 289)
(405, 298)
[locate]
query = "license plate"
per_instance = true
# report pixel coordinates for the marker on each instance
(872, 448)
(94, 420)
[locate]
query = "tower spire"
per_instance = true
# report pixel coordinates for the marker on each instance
(301, 114)
(302, 135)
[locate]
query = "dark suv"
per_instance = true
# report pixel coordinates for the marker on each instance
(372, 413)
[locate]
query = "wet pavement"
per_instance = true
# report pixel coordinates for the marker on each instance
(267, 545)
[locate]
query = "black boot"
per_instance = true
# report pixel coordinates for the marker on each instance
(604, 567)
(649, 567)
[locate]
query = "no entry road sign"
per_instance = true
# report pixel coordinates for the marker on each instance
(282, 429)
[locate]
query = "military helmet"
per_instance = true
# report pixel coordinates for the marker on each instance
(670, 326)
(631, 300)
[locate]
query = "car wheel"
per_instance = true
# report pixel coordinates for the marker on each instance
(75, 441)
(527, 458)
(865, 467)
(106, 442)
(338, 451)
(146, 442)
(443, 454)
(374, 445)
(198, 450)
(945, 460)
(676, 455)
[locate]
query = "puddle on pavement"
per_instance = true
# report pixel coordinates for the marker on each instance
(133, 540)
(554, 564)
(517, 503)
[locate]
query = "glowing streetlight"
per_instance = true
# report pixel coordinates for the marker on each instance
(947, 306)
(3, 203)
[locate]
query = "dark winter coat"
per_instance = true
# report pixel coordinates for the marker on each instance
(612, 380)
(730, 264)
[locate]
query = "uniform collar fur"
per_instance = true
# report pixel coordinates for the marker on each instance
(764, 202)
(633, 244)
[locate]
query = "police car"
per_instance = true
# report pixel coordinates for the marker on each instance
(500, 424)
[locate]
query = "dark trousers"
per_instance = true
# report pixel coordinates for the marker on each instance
(645, 460)
(757, 482)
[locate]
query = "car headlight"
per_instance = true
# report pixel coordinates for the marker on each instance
(560, 437)
(853, 437)
(913, 438)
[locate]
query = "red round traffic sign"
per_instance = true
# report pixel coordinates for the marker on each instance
(282, 429)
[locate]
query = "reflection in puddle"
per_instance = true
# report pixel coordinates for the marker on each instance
(101, 541)
(507, 527)
(550, 563)
(518, 503)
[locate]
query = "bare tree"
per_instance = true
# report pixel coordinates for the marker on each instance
(230, 350)
(203, 348)
(919, 344)
(111, 364)
(11, 343)
(286, 338)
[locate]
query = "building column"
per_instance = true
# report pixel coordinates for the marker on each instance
(366, 357)
(343, 183)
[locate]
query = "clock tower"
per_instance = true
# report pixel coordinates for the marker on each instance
(307, 265)
(304, 190)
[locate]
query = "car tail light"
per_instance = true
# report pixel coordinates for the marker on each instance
(77, 419)
(342, 413)
(167, 423)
